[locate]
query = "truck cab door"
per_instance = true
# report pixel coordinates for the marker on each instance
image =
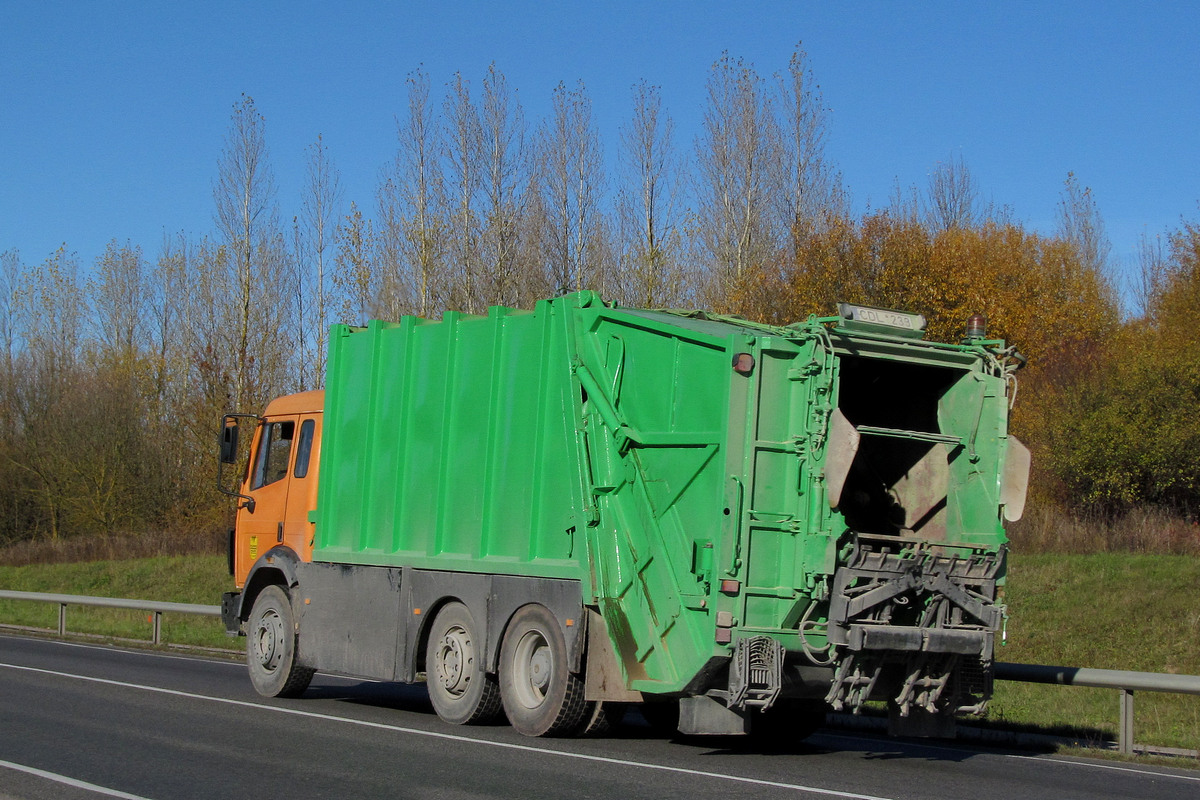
(302, 486)
(260, 524)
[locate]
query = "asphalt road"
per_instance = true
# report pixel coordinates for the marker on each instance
(79, 721)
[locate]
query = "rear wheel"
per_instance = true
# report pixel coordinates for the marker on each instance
(271, 646)
(460, 689)
(541, 697)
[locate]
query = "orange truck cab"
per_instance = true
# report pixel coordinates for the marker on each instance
(279, 491)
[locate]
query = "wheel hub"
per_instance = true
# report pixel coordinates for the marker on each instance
(268, 639)
(533, 669)
(539, 669)
(454, 657)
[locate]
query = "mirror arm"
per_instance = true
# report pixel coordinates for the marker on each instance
(247, 502)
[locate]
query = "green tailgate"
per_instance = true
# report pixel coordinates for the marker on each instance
(714, 477)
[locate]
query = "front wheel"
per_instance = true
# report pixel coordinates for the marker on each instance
(541, 697)
(461, 691)
(271, 646)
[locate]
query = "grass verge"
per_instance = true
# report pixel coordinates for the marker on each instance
(1106, 611)
(181, 579)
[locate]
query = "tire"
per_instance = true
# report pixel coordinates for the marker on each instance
(271, 646)
(541, 697)
(460, 689)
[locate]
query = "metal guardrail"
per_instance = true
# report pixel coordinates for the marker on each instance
(157, 607)
(1126, 682)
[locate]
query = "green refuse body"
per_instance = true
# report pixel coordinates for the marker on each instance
(753, 515)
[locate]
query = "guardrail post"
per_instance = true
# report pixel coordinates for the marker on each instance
(62, 619)
(1125, 738)
(157, 627)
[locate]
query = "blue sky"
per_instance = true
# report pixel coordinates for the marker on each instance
(113, 115)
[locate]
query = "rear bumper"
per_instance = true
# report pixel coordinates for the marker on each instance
(920, 640)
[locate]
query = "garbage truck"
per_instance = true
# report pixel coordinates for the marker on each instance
(550, 514)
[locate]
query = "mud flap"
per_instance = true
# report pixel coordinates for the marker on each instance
(706, 716)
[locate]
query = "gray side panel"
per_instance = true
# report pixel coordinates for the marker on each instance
(349, 618)
(371, 621)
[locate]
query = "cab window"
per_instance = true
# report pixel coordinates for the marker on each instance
(304, 449)
(275, 446)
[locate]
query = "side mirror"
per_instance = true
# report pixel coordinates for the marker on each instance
(229, 455)
(229, 441)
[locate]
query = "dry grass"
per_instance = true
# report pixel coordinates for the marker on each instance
(113, 547)
(1046, 529)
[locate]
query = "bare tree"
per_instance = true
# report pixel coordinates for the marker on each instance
(1080, 223)
(1153, 273)
(248, 220)
(812, 188)
(410, 228)
(16, 508)
(316, 231)
(504, 180)
(119, 292)
(463, 176)
(178, 328)
(394, 292)
(952, 199)
(355, 277)
(11, 269)
(209, 312)
(904, 204)
(49, 300)
(648, 210)
(175, 319)
(738, 177)
(571, 176)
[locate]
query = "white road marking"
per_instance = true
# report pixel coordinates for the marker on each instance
(63, 779)
(1134, 770)
(1086, 764)
(230, 662)
(454, 737)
